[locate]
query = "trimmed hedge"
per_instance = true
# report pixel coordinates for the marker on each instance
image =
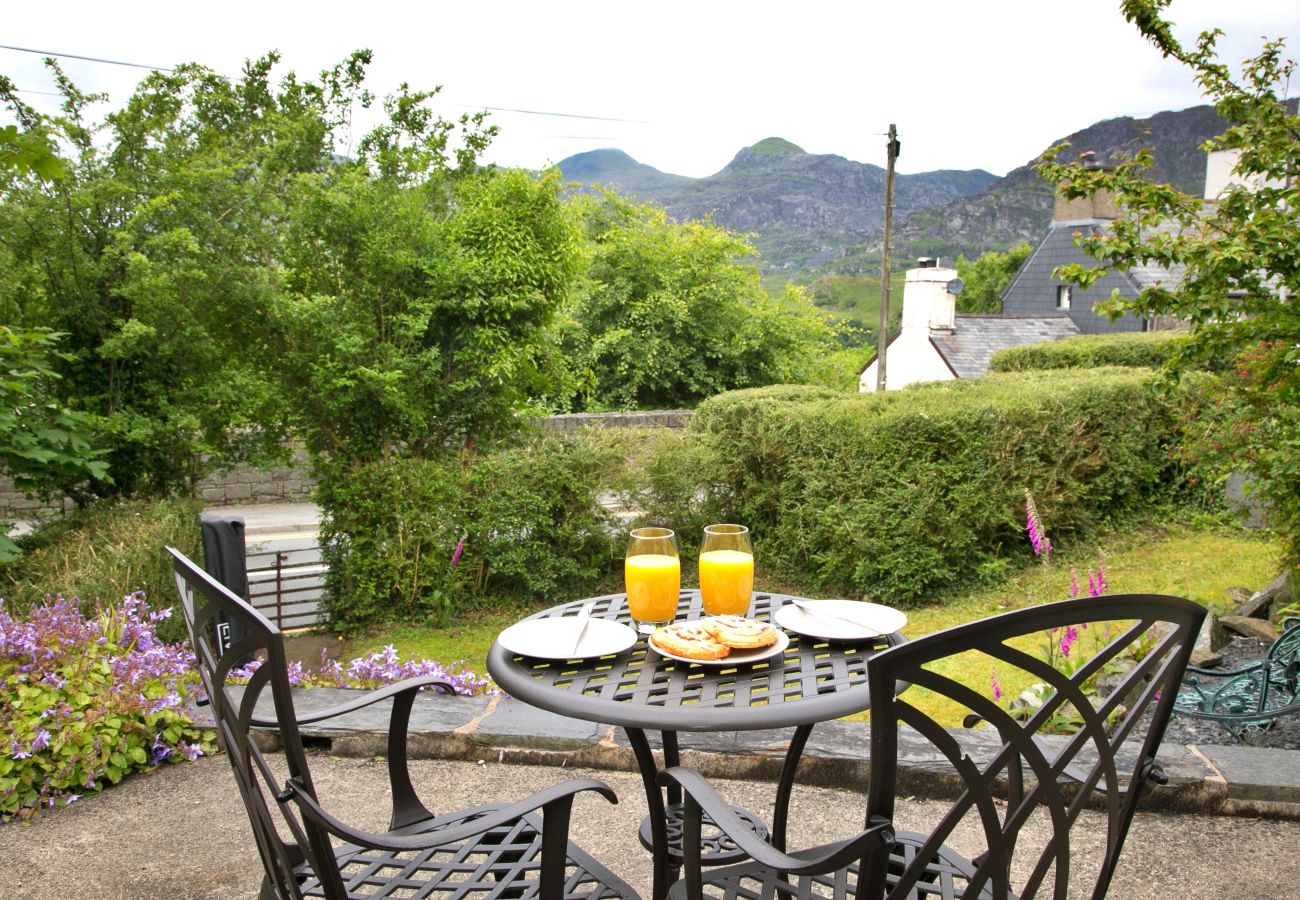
(527, 521)
(903, 495)
(1151, 349)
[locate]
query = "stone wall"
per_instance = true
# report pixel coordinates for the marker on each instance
(292, 483)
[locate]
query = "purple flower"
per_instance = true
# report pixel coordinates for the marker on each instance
(995, 686)
(460, 548)
(1074, 582)
(1068, 638)
(1034, 527)
(42, 740)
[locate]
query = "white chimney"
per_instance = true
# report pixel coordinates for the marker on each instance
(927, 303)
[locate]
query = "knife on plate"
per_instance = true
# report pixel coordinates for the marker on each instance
(812, 610)
(583, 617)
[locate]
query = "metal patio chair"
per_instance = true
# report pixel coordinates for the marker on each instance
(1250, 699)
(1019, 792)
(489, 851)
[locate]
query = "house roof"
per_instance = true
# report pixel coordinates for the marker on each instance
(1057, 248)
(970, 346)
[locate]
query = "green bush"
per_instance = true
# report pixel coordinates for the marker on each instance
(903, 495)
(526, 520)
(107, 551)
(1151, 349)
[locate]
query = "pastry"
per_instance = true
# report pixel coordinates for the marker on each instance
(739, 632)
(689, 641)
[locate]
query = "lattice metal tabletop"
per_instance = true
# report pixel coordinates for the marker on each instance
(810, 681)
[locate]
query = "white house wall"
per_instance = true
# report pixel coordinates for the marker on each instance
(908, 361)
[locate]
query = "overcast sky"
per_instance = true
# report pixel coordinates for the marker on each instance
(682, 86)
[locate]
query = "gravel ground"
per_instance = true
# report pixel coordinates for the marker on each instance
(181, 832)
(1285, 735)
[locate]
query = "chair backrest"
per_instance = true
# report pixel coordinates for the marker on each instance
(1020, 796)
(208, 607)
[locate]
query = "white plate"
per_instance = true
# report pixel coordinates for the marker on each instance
(735, 657)
(873, 620)
(553, 638)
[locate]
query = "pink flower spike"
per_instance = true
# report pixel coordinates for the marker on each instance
(460, 548)
(996, 687)
(1074, 582)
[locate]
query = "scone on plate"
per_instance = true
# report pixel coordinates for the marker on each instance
(689, 640)
(739, 632)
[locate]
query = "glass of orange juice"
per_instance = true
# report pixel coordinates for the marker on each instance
(726, 570)
(652, 572)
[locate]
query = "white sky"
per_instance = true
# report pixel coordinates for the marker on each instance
(970, 85)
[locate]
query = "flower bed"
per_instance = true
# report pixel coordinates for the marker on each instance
(86, 699)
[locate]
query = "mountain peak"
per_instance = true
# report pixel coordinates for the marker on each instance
(775, 145)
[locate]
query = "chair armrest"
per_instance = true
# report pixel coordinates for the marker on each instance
(1226, 673)
(708, 800)
(366, 699)
(561, 795)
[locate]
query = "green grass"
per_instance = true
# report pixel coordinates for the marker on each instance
(1196, 561)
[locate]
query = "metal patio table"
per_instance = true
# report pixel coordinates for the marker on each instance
(811, 681)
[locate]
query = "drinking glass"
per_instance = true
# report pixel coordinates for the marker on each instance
(726, 570)
(652, 573)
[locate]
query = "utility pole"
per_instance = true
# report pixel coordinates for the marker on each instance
(882, 335)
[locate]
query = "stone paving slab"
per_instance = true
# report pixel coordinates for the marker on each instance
(1257, 780)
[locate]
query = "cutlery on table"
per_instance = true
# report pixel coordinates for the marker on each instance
(813, 610)
(583, 617)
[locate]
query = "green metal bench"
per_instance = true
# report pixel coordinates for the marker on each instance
(1248, 700)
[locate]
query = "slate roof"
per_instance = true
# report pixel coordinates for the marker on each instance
(1033, 290)
(969, 347)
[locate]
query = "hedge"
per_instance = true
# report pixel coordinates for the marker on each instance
(1151, 349)
(907, 494)
(416, 540)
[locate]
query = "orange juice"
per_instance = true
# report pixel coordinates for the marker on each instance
(726, 581)
(653, 582)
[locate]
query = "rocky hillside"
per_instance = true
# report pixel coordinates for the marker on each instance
(1018, 207)
(804, 208)
(820, 212)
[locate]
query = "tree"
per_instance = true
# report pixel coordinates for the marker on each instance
(1239, 256)
(669, 314)
(987, 277)
(414, 317)
(165, 252)
(45, 446)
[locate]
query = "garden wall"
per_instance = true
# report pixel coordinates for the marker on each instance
(293, 484)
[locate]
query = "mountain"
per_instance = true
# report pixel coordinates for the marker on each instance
(1019, 207)
(803, 208)
(820, 212)
(614, 168)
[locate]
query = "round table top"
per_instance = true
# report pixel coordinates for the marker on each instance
(811, 681)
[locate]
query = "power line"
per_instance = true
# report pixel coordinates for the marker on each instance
(528, 112)
(538, 112)
(98, 59)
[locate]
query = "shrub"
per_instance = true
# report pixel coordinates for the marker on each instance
(86, 700)
(105, 551)
(526, 520)
(1150, 349)
(902, 495)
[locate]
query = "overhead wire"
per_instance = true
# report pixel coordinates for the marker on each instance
(119, 62)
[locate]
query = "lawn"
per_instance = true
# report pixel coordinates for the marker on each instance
(1198, 562)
